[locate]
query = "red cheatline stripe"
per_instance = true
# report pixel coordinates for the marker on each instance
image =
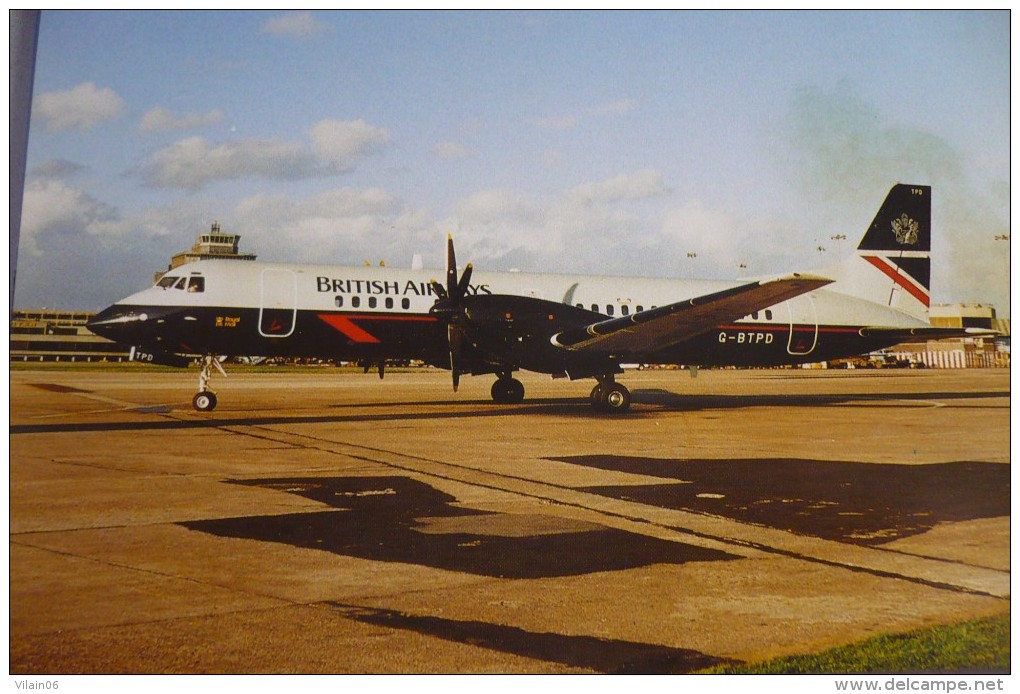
(899, 278)
(346, 325)
(348, 328)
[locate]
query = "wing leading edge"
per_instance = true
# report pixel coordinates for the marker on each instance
(672, 324)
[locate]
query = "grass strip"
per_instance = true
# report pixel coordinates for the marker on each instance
(977, 646)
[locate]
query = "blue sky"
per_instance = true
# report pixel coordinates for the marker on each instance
(609, 143)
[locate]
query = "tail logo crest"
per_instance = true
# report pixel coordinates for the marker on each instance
(906, 230)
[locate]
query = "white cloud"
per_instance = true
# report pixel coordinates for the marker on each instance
(160, 119)
(340, 142)
(636, 186)
(79, 108)
(294, 25)
(494, 223)
(335, 147)
(698, 228)
(193, 162)
(339, 225)
(53, 206)
(580, 229)
(55, 168)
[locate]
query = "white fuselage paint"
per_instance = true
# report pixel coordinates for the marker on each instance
(239, 284)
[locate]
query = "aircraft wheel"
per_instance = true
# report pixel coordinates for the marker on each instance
(204, 401)
(508, 391)
(614, 398)
(596, 396)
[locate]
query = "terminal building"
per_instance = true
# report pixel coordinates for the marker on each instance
(41, 335)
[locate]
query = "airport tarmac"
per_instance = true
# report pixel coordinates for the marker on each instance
(328, 522)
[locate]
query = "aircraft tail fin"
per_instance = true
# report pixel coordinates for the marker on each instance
(892, 265)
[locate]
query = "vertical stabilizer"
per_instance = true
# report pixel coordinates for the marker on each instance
(892, 265)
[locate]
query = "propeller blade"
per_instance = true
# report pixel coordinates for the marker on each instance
(438, 290)
(465, 281)
(451, 266)
(456, 338)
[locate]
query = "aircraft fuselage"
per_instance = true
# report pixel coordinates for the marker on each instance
(378, 313)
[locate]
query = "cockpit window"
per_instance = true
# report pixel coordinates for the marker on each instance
(180, 283)
(196, 284)
(167, 281)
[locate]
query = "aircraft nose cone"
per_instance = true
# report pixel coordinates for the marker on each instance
(116, 322)
(98, 323)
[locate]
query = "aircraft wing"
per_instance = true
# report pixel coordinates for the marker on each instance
(665, 326)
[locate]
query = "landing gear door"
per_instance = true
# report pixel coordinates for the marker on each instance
(278, 304)
(803, 325)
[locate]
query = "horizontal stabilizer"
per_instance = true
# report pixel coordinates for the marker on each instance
(664, 326)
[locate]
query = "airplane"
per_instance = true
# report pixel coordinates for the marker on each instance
(570, 326)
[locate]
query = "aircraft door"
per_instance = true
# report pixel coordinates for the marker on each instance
(803, 325)
(278, 304)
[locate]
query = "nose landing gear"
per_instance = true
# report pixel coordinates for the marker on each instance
(205, 400)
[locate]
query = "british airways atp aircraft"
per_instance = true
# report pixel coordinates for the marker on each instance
(567, 326)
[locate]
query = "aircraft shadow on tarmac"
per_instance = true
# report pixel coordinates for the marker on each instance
(658, 399)
(395, 519)
(608, 656)
(668, 400)
(859, 503)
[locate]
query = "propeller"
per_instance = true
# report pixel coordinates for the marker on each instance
(449, 306)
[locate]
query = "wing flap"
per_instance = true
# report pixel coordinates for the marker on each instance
(668, 325)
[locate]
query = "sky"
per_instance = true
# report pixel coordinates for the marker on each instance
(663, 144)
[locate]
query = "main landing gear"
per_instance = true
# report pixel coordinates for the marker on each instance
(609, 396)
(205, 400)
(507, 390)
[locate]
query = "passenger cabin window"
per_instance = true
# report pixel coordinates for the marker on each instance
(405, 303)
(625, 310)
(754, 315)
(639, 308)
(595, 308)
(355, 301)
(768, 314)
(372, 301)
(196, 285)
(610, 310)
(339, 301)
(389, 302)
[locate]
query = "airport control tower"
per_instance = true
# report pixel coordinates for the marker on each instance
(212, 245)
